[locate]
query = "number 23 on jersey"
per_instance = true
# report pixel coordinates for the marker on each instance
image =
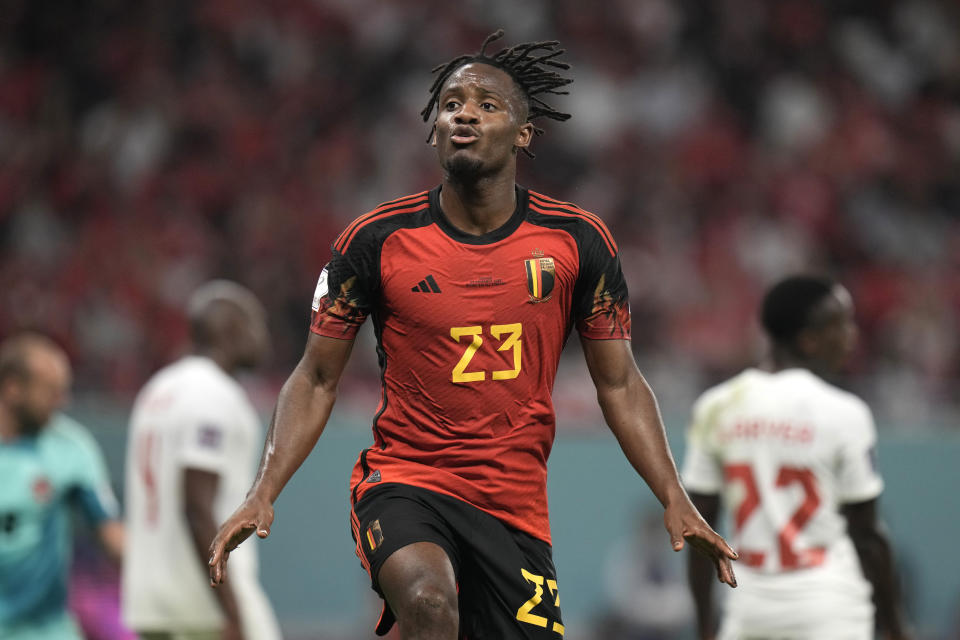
(508, 337)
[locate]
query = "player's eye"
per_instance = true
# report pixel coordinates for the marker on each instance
(450, 105)
(488, 106)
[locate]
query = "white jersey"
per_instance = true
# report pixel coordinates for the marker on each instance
(190, 415)
(785, 450)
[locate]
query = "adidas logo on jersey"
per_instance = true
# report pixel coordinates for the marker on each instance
(427, 285)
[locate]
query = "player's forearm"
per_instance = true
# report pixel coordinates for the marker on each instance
(700, 579)
(202, 531)
(876, 558)
(111, 534)
(631, 412)
(302, 411)
(700, 569)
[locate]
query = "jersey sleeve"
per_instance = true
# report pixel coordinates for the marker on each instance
(346, 288)
(204, 435)
(702, 471)
(601, 305)
(858, 477)
(91, 491)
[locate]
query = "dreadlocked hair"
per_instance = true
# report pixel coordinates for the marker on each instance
(529, 64)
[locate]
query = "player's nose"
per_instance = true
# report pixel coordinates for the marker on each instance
(469, 113)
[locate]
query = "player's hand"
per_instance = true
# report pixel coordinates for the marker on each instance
(684, 523)
(253, 515)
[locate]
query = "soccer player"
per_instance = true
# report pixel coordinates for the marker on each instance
(192, 448)
(49, 464)
(473, 287)
(792, 457)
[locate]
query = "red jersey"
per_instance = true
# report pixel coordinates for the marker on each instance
(469, 333)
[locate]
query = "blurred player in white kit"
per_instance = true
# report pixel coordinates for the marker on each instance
(192, 449)
(791, 459)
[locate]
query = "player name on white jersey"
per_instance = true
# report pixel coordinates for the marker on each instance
(758, 428)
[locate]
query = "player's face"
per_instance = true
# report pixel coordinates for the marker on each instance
(253, 343)
(481, 121)
(837, 330)
(44, 390)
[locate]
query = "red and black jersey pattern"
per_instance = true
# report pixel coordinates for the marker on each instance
(470, 331)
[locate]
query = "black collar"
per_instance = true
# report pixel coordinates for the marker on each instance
(490, 237)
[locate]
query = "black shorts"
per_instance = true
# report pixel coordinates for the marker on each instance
(506, 580)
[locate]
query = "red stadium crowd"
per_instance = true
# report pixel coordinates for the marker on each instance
(145, 147)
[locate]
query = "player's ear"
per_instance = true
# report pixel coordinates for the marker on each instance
(11, 390)
(433, 134)
(524, 136)
(807, 343)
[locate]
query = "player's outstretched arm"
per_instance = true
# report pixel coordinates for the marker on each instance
(876, 559)
(303, 408)
(630, 410)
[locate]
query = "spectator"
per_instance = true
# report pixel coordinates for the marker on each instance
(748, 138)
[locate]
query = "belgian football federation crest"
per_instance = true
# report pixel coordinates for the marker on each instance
(374, 535)
(541, 276)
(42, 490)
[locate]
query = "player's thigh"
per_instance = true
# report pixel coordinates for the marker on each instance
(417, 574)
(402, 526)
(509, 587)
(393, 517)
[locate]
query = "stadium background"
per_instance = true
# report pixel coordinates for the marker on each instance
(146, 147)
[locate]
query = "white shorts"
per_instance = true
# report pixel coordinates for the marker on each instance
(829, 603)
(733, 629)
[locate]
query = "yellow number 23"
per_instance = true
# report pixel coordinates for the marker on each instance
(512, 341)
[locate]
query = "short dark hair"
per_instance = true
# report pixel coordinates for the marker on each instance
(527, 63)
(213, 307)
(15, 353)
(787, 307)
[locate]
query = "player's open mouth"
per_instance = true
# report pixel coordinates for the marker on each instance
(463, 135)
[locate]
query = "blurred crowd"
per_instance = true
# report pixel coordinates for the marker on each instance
(148, 146)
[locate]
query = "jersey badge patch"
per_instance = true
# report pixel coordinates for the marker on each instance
(374, 535)
(320, 291)
(373, 477)
(209, 437)
(541, 276)
(42, 490)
